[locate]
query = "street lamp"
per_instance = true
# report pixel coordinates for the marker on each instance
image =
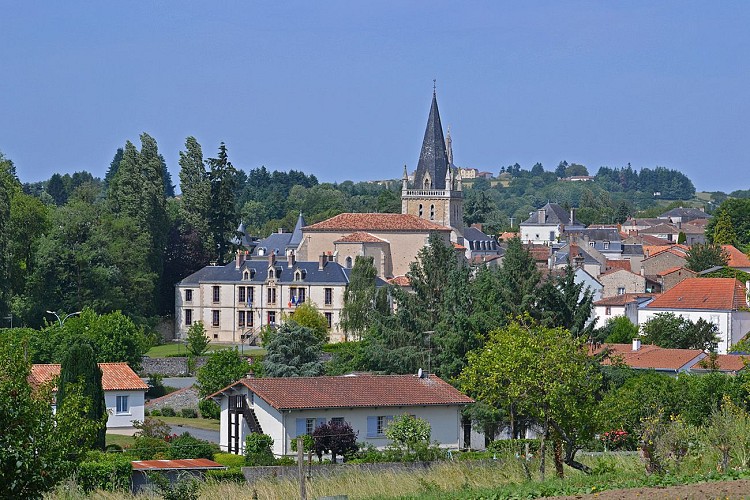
(62, 321)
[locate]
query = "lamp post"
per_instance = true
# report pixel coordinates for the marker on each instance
(62, 321)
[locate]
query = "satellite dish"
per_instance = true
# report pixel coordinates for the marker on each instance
(419, 373)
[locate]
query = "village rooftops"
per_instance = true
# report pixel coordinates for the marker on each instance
(351, 391)
(649, 357)
(716, 294)
(725, 363)
(736, 258)
(354, 222)
(115, 376)
(623, 298)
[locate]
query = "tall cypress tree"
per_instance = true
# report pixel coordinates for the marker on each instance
(79, 367)
(8, 182)
(222, 216)
(195, 186)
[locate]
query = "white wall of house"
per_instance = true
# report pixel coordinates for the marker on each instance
(604, 313)
(540, 234)
(282, 426)
(733, 325)
(134, 411)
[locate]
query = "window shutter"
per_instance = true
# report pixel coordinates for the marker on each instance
(301, 426)
(372, 427)
(319, 422)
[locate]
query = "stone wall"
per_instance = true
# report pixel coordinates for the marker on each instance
(290, 472)
(168, 367)
(183, 398)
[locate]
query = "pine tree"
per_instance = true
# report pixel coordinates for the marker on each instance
(293, 351)
(113, 167)
(518, 279)
(222, 217)
(79, 369)
(565, 304)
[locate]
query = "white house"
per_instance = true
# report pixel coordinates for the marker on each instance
(124, 392)
(285, 408)
(547, 224)
(626, 305)
(721, 301)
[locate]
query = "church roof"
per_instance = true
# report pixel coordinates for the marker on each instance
(433, 158)
(296, 238)
(553, 214)
(355, 222)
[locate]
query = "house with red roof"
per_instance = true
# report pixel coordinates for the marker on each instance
(124, 391)
(626, 304)
(721, 301)
(620, 281)
(649, 357)
(736, 259)
(730, 364)
(285, 408)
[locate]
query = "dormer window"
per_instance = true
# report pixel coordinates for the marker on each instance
(246, 275)
(271, 273)
(299, 275)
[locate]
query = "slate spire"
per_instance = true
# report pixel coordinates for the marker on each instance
(433, 159)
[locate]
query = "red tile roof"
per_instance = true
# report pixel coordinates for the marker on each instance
(678, 250)
(375, 222)
(115, 376)
(718, 294)
(726, 363)
(359, 237)
(350, 391)
(650, 357)
(674, 269)
(456, 246)
(400, 281)
(622, 299)
(184, 464)
(618, 264)
(735, 258)
(507, 236)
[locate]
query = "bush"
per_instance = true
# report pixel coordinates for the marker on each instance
(226, 476)
(152, 427)
(168, 411)
(187, 446)
(209, 409)
(148, 448)
(285, 461)
(104, 471)
(189, 413)
(229, 459)
(184, 488)
(156, 387)
(155, 413)
(514, 446)
(258, 449)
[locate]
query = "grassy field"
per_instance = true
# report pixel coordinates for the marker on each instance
(119, 439)
(178, 349)
(198, 423)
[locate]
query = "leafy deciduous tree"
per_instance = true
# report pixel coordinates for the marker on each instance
(222, 368)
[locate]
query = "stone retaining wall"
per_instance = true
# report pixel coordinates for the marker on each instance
(183, 398)
(168, 367)
(291, 472)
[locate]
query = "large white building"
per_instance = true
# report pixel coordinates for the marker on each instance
(236, 300)
(285, 408)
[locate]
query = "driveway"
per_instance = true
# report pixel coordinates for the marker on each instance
(211, 436)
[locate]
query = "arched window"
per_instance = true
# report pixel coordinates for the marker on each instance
(420, 210)
(427, 183)
(432, 212)
(271, 273)
(348, 262)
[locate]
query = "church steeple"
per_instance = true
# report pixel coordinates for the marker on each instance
(433, 159)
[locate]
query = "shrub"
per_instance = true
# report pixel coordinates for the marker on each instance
(226, 476)
(104, 471)
(148, 448)
(258, 449)
(209, 409)
(514, 446)
(152, 427)
(229, 459)
(184, 488)
(155, 413)
(168, 411)
(187, 446)
(285, 461)
(189, 413)
(156, 387)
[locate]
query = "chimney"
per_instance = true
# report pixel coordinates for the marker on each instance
(330, 256)
(238, 259)
(541, 215)
(291, 260)
(281, 230)
(322, 261)
(572, 214)
(636, 344)
(643, 271)
(271, 259)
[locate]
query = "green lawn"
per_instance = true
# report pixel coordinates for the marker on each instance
(178, 349)
(120, 440)
(198, 423)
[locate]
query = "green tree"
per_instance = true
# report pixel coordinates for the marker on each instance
(618, 330)
(293, 351)
(359, 298)
(33, 457)
(567, 304)
(548, 377)
(518, 279)
(222, 368)
(79, 368)
(195, 186)
(723, 232)
(258, 449)
(705, 256)
(309, 316)
(738, 212)
(222, 217)
(408, 431)
(197, 340)
(675, 332)
(8, 185)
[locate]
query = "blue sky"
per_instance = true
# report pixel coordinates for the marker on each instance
(342, 89)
